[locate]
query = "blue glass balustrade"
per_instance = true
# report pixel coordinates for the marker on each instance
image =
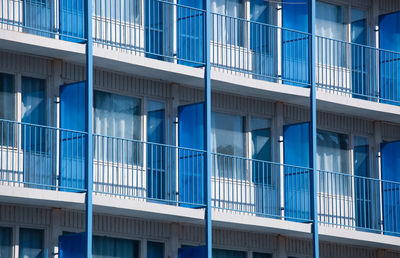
(72, 143)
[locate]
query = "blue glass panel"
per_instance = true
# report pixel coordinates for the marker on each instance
(190, 32)
(72, 24)
(5, 242)
(72, 245)
(262, 255)
(389, 38)
(191, 135)
(37, 17)
(295, 45)
(391, 191)
(155, 250)
(192, 252)
(154, 22)
(31, 243)
(156, 154)
(105, 247)
(72, 145)
(297, 181)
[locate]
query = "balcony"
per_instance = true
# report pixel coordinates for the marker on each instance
(53, 159)
(175, 33)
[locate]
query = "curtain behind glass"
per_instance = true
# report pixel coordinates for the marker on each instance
(117, 116)
(30, 243)
(107, 247)
(5, 242)
(7, 108)
(331, 24)
(333, 156)
(227, 29)
(33, 108)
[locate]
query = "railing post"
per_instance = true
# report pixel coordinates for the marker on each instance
(207, 127)
(89, 126)
(313, 128)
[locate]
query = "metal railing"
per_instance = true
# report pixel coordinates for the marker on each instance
(62, 19)
(42, 157)
(251, 186)
(354, 202)
(358, 71)
(152, 171)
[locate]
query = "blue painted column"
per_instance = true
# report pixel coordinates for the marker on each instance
(207, 127)
(89, 126)
(313, 128)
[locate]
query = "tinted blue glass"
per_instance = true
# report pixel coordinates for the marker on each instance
(72, 24)
(37, 17)
(31, 243)
(72, 117)
(297, 180)
(156, 173)
(391, 191)
(192, 252)
(7, 100)
(154, 13)
(155, 250)
(5, 242)
(191, 135)
(389, 38)
(190, 32)
(295, 45)
(72, 245)
(262, 255)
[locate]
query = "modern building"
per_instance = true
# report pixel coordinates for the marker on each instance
(138, 159)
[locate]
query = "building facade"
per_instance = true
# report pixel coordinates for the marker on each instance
(147, 145)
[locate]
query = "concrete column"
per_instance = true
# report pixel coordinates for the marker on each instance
(173, 243)
(55, 231)
(281, 250)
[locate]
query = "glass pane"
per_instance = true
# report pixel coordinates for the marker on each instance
(33, 106)
(331, 21)
(155, 250)
(220, 253)
(156, 154)
(5, 242)
(295, 15)
(358, 26)
(37, 17)
(261, 139)
(297, 178)
(72, 26)
(389, 38)
(261, 255)
(105, 247)
(332, 158)
(117, 115)
(7, 109)
(227, 135)
(31, 243)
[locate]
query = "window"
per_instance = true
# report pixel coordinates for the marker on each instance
(221, 253)
(155, 250)
(117, 121)
(5, 242)
(121, 10)
(227, 138)
(262, 255)
(156, 153)
(227, 134)
(228, 28)
(261, 150)
(7, 108)
(33, 108)
(37, 17)
(104, 247)
(31, 243)
(333, 159)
